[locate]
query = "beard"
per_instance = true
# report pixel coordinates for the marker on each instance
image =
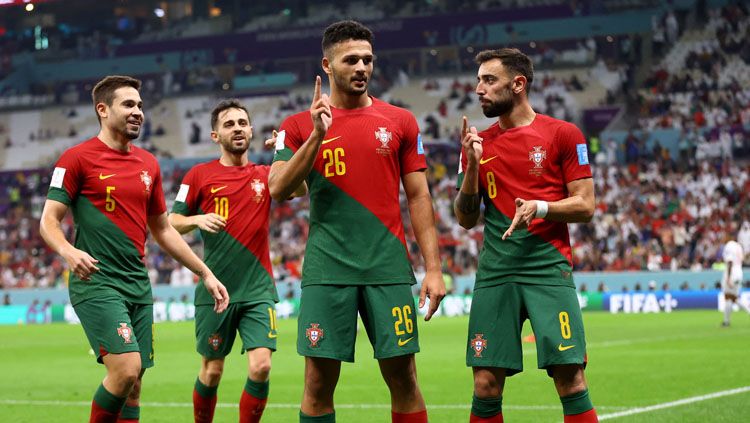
(228, 144)
(131, 134)
(500, 107)
(345, 84)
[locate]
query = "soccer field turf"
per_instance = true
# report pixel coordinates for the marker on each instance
(683, 363)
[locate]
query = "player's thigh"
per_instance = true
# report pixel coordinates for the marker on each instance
(327, 323)
(142, 316)
(215, 332)
(495, 320)
(257, 325)
(108, 326)
(557, 322)
(389, 315)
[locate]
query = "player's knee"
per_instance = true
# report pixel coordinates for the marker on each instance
(403, 383)
(568, 379)
(486, 387)
(260, 369)
(213, 370)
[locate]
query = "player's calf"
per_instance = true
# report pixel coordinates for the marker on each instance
(574, 395)
(206, 385)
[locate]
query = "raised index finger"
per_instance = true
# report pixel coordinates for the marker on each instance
(464, 127)
(316, 93)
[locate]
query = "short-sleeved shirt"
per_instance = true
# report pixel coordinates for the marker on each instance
(356, 233)
(733, 254)
(111, 193)
(238, 255)
(533, 162)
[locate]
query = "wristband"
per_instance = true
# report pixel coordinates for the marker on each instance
(541, 209)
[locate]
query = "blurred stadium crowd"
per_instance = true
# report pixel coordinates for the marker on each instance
(658, 208)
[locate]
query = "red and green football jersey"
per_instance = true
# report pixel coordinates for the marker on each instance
(111, 194)
(238, 255)
(356, 233)
(533, 162)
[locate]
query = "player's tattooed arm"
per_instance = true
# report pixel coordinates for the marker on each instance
(468, 203)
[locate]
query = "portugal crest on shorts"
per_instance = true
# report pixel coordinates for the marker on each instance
(314, 333)
(478, 344)
(214, 341)
(146, 179)
(384, 137)
(258, 187)
(125, 332)
(537, 155)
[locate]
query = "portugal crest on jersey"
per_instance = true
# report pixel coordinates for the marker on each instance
(314, 333)
(478, 344)
(384, 137)
(125, 332)
(214, 341)
(258, 187)
(146, 179)
(537, 155)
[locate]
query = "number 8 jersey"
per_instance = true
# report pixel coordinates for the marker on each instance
(239, 254)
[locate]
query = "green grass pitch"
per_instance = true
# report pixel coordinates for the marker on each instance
(635, 360)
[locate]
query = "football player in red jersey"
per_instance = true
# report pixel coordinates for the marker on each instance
(533, 175)
(354, 153)
(114, 190)
(228, 200)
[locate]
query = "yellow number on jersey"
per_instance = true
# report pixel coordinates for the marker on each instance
(109, 202)
(564, 324)
(334, 162)
(222, 207)
(403, 317)
(491, 186)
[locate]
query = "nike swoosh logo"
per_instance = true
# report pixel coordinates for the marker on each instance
(215, 190)
(561, 348)
(103, 177)
(272, 335)
(330, 140)
(483, 161)
(401, 342)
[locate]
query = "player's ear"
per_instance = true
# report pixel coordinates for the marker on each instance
(102, 110)
(215, 137)
(519, 84)
(326, 65)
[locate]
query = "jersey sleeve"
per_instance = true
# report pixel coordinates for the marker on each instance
(187, 199)
(573, 153)
(288, 140)
(156, 204)
(411, 154)
(67, 178)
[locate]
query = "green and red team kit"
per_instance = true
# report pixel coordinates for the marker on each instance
(356, 233)
(111, 194)
(238, 255)
(530, 273)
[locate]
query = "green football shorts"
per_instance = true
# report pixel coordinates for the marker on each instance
(115, 326)
(215, 333)
(327, 324)
(498, 313)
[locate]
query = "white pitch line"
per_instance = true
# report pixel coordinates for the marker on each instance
(287, 406)
(677, 403)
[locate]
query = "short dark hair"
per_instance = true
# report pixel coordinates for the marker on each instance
(513, 59)
(231, 103)
(343, 31)
(104, 90)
